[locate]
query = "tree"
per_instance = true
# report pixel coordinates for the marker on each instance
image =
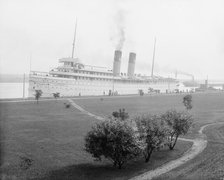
(67, 105)
(150, 90)
(56, 95)
(38, 94)
(113, 139)
(187, 100)
(141, 92)
(152, 133)
(179, 123)
(121, 114)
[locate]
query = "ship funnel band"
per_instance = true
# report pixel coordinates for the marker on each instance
(131, 64)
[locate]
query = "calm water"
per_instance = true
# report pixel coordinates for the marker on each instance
(13, 90)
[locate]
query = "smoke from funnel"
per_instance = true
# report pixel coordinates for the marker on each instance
(121, 39)
(120, 31)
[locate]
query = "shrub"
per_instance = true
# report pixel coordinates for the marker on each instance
(152, 133)
(150, 90)
(67, 105)
(141, 92)
(187, 100)
(179, 123)
(38, 94)
(56, 95)
(25, 162)
(114, 140)
(121, 114)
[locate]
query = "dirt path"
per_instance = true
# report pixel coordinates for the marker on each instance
(85, 111)
(199, 144)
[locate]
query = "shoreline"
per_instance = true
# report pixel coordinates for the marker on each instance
(28, 99)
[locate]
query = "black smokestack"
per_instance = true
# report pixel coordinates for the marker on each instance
(117, 62)
(131, 64)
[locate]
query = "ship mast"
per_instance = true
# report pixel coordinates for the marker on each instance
(73, 44)
(153, 58)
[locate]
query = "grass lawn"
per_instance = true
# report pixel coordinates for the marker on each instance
(45, 140)
(104, 170)
(207, 165)
(207, 108)
(47, 133)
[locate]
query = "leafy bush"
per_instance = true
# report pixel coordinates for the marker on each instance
(179, 123)
(114, 140)
(25, 162)
(141, 92)
(121, 114)
(56, 95)
(67, 105)
(152, 133)
(38, 94)
(187, 100)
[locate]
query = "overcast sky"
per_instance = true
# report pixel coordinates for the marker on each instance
(189, 33)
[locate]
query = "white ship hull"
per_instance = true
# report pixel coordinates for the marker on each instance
(73, 78)
(77, 87)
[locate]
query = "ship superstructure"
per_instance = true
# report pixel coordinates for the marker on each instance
(73, 78)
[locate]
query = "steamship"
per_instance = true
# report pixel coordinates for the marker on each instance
(73, 78)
